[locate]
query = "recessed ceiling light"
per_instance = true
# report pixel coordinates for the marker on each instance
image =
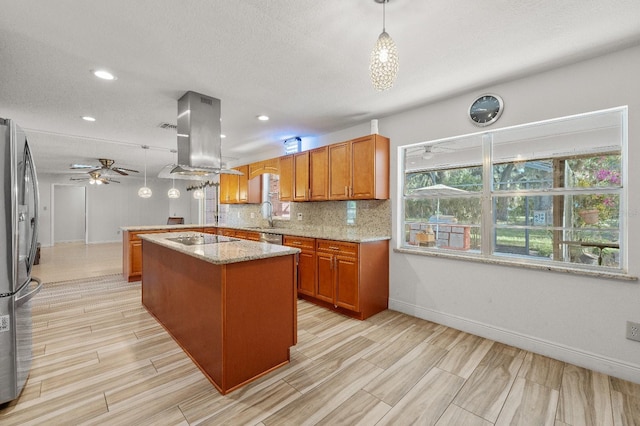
(222, 136)
(263, 118)
(88, 118)
(103, 74)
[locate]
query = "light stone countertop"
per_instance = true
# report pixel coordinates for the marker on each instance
(347, 234)
(220, 253)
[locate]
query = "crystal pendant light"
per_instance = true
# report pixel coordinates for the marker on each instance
(384, 58)
(145, 191)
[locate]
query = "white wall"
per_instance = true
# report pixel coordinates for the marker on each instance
(69, 217)
(574, 318)
(115, 205)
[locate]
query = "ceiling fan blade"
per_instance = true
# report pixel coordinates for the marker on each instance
(114, 181)
(125, 169)
(82, 166)
(120, 171)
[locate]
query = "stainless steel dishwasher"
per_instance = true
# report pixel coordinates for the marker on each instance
(268, 237)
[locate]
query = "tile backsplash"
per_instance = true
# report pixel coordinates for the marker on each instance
(371, 216)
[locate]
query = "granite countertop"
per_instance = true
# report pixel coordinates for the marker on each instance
(220, 253)
(347, 234)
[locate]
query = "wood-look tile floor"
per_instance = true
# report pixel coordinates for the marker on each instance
(100, 358)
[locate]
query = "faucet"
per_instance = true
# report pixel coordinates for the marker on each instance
(269, 214)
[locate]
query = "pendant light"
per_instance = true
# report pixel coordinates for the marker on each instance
(198, 194)
(173, 192)
(145, 192)
(384, 58)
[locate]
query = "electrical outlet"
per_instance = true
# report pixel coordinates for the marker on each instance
(299, 216)
(253, 215)
(633, 331)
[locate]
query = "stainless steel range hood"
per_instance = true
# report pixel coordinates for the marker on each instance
(199, 143)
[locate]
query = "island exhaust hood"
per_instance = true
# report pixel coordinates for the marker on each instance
(199, 142)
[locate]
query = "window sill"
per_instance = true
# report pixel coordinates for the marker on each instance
(519, 264)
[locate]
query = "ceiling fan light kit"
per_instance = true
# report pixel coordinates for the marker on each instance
(384, 58)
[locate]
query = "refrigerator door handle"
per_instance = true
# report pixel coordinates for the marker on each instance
(36, 200)
(25, 298)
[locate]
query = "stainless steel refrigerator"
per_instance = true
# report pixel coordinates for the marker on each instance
(18, 243)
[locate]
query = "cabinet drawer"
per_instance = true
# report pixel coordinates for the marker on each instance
(337, 247)
(300, 242)
(135, 236)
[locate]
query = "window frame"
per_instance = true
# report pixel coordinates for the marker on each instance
(489, 226)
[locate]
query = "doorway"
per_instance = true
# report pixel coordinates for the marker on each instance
(69, 214)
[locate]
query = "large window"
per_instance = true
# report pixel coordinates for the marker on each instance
(548, 193)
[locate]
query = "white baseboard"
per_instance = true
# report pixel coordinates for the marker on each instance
(610, 366)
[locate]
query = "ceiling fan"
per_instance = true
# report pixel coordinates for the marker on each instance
(96, 178)
(105, 164)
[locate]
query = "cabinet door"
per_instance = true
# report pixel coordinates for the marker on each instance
(301, 176)
(286, 178)
(347, 283)
(325, 290)
(339, 171)
(243, 183)
(307, 273)
(224, 189)
(229, 188)
(363, 166)
(135, 251)
(319, 174)
(370, 168)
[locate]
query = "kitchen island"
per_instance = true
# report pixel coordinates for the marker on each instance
(229, 303)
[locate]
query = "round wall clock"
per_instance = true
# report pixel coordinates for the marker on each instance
(486, 109)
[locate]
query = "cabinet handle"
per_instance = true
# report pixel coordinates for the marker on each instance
(346, 191)
(334, 248)
(309, 193)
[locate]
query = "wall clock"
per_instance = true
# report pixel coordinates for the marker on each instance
(486, 109)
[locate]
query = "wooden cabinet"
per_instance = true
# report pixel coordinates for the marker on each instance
(352, 278)
(306, 263)
(239, 189)
(239, 233)
(301, 176)
(359, 169)
(286, 178)
(132, 254)
(319, 174)
(229, 189)
(210, 230)
(264, 166)
(339, 171)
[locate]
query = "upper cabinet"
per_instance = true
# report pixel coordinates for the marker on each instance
(301, 176)
(353, 170)
(240, 189)
(359, 169)
(319, 174)
(264, 166)
(286, 178)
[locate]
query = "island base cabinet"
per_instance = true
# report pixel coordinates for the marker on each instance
(352, 278)
(235, 327)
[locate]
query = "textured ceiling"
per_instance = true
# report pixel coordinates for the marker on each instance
(304, 63)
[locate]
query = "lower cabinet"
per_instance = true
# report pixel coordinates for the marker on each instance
(350, 278)
(132, 249)
(306, 263)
